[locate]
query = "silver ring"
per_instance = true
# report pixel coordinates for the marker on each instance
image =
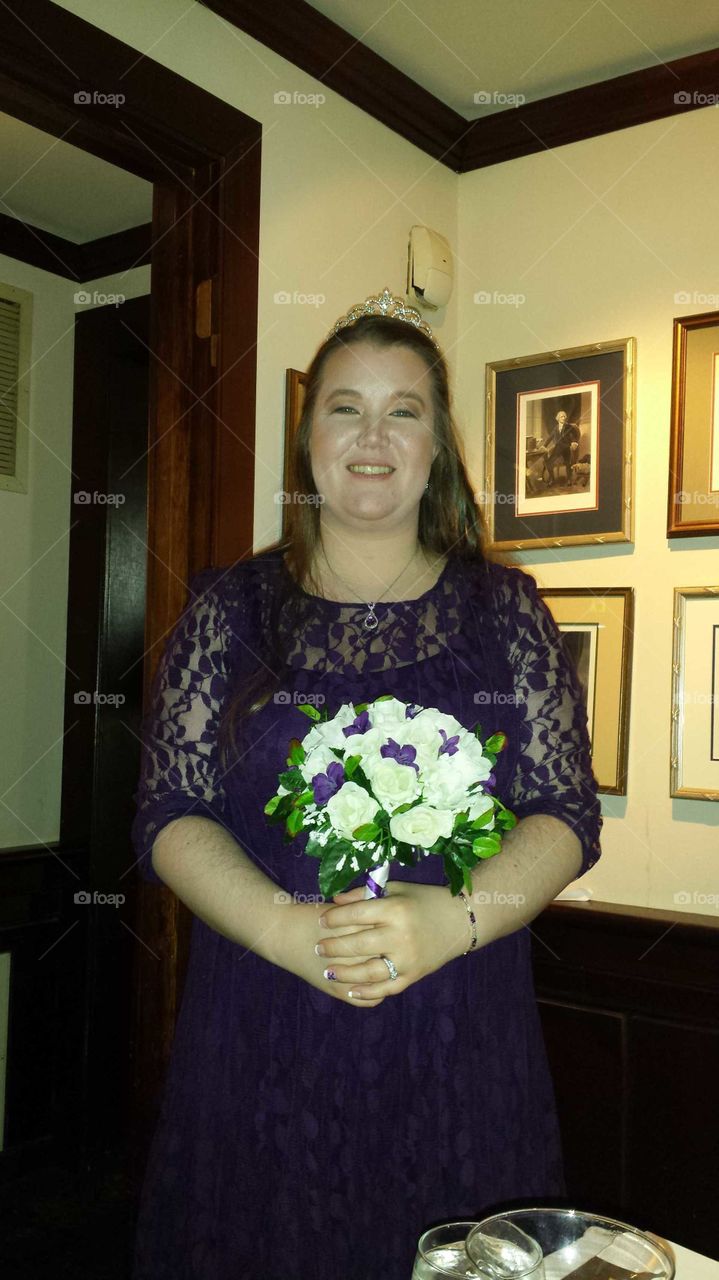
(390, 967)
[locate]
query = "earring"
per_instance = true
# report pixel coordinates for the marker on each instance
(427, 485)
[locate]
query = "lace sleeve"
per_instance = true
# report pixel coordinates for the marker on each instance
(179, 772)
(554, 770)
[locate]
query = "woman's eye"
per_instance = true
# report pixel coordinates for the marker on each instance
(407, 413)
(344, 408)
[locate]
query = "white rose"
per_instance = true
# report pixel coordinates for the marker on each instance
(472, 748)
(388, 715)
(317, 761)
(350, 807)
(393, 784)
(365, 744)
(329, 732)
(422, 825)
(440, 720)
(478, 805)
(446, 781)
(421, 734)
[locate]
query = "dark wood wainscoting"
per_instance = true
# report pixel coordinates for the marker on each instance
(630, 1005)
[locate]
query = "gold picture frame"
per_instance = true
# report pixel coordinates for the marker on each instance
(694, 450)
(694, 771)
(597, 626)
(559, 447)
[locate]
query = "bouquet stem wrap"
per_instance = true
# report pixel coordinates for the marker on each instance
(376, 881)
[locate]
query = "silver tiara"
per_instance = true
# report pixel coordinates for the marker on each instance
(385, 304)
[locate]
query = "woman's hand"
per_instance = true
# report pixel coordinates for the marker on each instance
(419, 927)
(296, 951)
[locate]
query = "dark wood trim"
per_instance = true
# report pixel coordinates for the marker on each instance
(91, 260)
(589, 112)
(629, 1001)
(203, 158)
(307, 39)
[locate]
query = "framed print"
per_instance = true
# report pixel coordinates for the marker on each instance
(295, 383)
(559, 445)
(695, 694)
(694, 452)
(596, 626)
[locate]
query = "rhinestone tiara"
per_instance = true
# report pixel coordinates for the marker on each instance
(385, 304)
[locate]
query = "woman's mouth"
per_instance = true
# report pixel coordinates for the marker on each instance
(369, 469)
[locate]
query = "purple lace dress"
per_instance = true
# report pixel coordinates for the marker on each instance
(301, 1137)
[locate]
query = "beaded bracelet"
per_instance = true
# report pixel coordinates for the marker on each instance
(472, 921)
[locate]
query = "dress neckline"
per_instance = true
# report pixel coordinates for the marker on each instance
(378, 604)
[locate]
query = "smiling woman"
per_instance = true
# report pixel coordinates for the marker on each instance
(346, 1073)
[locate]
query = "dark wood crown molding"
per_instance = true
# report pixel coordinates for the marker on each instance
(306, 38)
(636, 98)
(309, 40)
(79, 262)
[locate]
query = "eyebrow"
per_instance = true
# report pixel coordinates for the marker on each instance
(399, 395)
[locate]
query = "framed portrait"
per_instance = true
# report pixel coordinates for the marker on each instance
(596, 626)
(559, 447)
(295, 383)
(694, 452)
(695, 694)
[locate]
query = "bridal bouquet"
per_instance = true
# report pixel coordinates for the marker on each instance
(388, 781)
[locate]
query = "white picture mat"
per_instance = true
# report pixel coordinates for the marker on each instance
(714, 435)
(528, 504)
(698, 685)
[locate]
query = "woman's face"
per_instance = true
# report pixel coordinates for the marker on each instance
(374, 407)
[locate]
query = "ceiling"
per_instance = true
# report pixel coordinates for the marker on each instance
(58, 187)
(535, 48)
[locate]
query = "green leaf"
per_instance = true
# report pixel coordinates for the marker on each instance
(482, 820)
(454, 875)
(477, 731)
(292, 779)
(294, 822)
(296, 753)
(272, 804)
(307, 709)
(367, 831)
(497, 742)
(351, 764)
(468, 881)
(460, 818)
(487, 846)
(306, 797)
(284, 806)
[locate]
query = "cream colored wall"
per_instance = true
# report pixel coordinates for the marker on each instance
(599, 237)
(34, 543)
(339, 195)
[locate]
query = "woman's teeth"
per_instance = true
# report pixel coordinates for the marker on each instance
(362, 470)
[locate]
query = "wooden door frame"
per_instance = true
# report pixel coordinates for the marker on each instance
(203, 157)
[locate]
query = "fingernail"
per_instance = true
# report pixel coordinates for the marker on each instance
(318, 949)
(330, 975)
(355, 995)
(323, 922)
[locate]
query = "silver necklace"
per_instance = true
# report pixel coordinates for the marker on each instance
(371, 620)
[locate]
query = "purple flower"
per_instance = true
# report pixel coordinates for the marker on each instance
(449, 746)
(325, 785)
(360, 724)
(413, 709)
(403, 755)
(490, 782)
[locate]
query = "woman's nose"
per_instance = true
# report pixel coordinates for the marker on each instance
(373, 425)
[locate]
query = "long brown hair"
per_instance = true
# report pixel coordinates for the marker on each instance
(450, 520)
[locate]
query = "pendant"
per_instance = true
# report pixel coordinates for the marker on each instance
(371, 620)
